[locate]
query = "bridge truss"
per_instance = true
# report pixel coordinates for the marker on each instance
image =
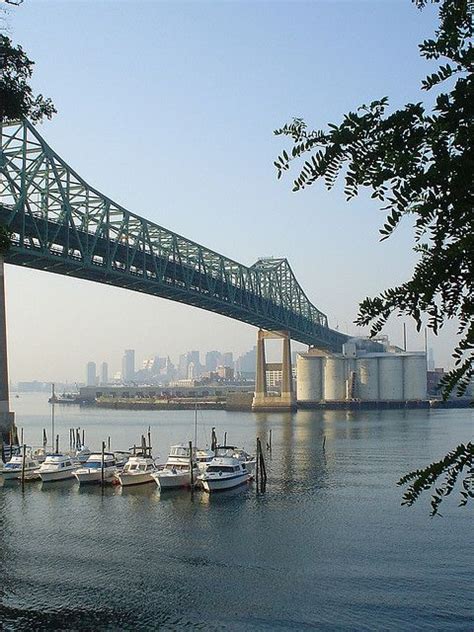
(61, 224)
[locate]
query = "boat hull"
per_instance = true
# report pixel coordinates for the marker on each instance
(126, 480)
(50, 477)
(16, 474)
(95, 476)
(172, 481)
(216, 484)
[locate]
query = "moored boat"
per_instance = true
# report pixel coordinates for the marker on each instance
(224, 472)
(57, 467)
(177, 471)
(14, 467)
(91, 470)
(137, 470)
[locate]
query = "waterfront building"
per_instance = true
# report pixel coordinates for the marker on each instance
(128, 366)
(91, 371)
(360, 375)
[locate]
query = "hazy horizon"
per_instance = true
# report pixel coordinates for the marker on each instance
(169, 109)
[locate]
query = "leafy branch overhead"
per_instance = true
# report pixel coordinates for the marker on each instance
(452, 465)
(419, 162)
(16, 96)
(17, 99)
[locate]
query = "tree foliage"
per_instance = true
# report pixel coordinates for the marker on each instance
(17, 99)
(451, 466)
(16, 95)
(418, 162)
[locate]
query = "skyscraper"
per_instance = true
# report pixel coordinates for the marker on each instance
(91, 374)
(228, 359)
(128, 366)
(104, 373)
(212, 360)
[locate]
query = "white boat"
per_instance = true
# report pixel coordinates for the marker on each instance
(81, 453)
(203, 458)
(237, 453)
(57, 467)
(224, 472)
(137, 470)
(91, 471)
(176, 472)
(13, 468)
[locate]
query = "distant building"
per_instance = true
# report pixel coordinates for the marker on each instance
(104, 373)
(227, 359)
(128, 366)
(182, 366)
(245, 365)
(431, 361)
(212, 360)
(91, 373)
(225, 372)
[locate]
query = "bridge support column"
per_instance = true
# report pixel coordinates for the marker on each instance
(261, 400)
(7, 418)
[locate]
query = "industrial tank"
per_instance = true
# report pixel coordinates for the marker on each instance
(391, 377)
(334, 378)
(367, 379)
(414, 376)
(309, 378)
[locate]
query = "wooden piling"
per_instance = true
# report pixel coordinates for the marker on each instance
(102, 465)
(23, 463)
(191, 479)
(269, 444)
(324, 442)
(225, 438)
(57, 444)
(108, 444)
(83, 437)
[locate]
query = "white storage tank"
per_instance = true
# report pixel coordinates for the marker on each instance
(367, 379)
(334, 378)
(309, 378)
(414, 376)
(391, 377)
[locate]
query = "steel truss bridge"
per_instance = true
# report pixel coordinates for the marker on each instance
(61, 224)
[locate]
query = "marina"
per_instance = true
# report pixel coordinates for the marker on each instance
(351, 555)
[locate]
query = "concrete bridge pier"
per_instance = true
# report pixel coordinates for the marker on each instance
(261, 400)
(7, 418)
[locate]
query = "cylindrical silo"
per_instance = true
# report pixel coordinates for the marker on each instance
(367, 379)
(309, 378)
(391, 377)
(334, 378)
(414, 376)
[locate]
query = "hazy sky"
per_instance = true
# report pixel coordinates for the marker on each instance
(169, 108)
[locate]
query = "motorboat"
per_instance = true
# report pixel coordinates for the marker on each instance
(224, 472)
(237, 453)
(57, 467)
(137, 470)
(91, 470)
(81, 453)
(203, 458)
(14, 468)
(176, 472)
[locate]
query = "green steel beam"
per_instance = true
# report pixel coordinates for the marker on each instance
(61, 224)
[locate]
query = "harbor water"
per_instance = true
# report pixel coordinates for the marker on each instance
(326, 547)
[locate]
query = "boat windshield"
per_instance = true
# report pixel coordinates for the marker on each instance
(12, 466)
(221, 468)
(93, 465)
